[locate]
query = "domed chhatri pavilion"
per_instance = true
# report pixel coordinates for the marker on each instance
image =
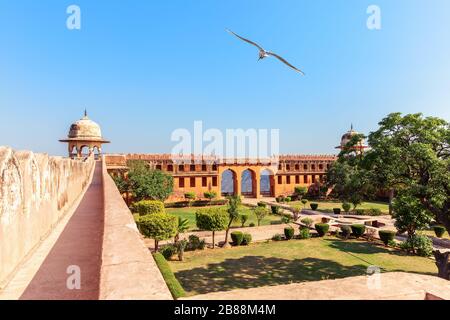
(347, 137)
(84, 134)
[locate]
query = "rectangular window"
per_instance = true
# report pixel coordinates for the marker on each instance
(204, 182)
(192, 167)
(192, 182)
(297, 167)
(170, 168)
(280, 179)
(158, 167)
(305, 179)
(214, 181)
(313, 167)
(288, 167)
(297, 179)
(181, 182)
(181, 167)
(203, 167)
(320, 166)
(214, 167)
(288, 179)
(305, 167)
(279, 166)
(313, 179)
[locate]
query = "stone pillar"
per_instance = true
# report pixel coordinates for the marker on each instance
(237, 183)
(257, 185)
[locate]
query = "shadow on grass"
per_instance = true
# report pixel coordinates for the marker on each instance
(256, 271)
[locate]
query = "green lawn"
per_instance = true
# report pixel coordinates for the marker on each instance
(275, 263)
(189, 213)
(328, 206)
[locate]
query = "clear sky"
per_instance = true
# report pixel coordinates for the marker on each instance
(146, 68)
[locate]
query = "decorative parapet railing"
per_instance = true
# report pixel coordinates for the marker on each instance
(36, 191)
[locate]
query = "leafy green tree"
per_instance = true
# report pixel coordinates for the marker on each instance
(158, 226)
(243, 218)
(234, 203)
(409, 214)
(147, 183)
(190, 196)
(210, 195)
(300, 191)
(124, 186)
(260, 213)
(211, 219)
(304, 202)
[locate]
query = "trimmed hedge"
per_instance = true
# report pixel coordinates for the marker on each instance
(439, 231)
(386, 236)
(196, 203)
(237, 237)
(145, 207)
(358, 230)
(322, 229)
(288, 233)
(174, 286)
(246, 239)
(337, 210)
(314, 206)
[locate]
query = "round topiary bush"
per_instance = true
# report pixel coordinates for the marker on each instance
(237, 237)
(358, 230)
(246, 239)
(346, 206)
(386, 236)
(168, 251)
(439, 231)
(277, 237)
(314, 206)
(322, 228)
(145, 207)
(288, 199)
(289, 233)
(337, 210)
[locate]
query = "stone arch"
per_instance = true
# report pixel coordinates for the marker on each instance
(248, 183)
(267, 182)
(228, 185)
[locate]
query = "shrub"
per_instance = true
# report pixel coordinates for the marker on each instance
(174, 286)
(304, 202)
(243, 218)
(386, 236)
(286, 219)
(419, 244)
(168, 251)
(190, 195)
(307, 222)
(322, 228)
(247, 239)
(439, 231)
(358, 230)
(374, 212)
(337, 210)
(260, 213)
(288, 233)
(346, 231)
(304, 233)
(210, 195)
(314, 206)
(262, 204)
(237, 237)
(392, 244)
(360, 212)
(288, 199)
(195, 243)
(145, 207)
(346, 206)
(252, 225)
(300, 191)
(275, 209)
(158, 226)
(277, 237)
(279, 199)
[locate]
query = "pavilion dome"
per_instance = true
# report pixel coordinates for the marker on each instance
(85, 129)
(346, 137)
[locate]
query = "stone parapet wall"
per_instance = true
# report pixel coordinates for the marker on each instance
(36, 190)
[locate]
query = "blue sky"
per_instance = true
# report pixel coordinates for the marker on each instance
(145, 68)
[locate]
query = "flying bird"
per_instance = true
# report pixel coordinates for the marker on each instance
(264, 54)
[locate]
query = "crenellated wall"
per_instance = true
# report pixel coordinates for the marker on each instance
(36, 190)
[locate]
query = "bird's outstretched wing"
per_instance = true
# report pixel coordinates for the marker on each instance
(246, 40)
(284, 61)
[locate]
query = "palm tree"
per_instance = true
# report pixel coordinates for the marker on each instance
(233, 211)
(183, 226)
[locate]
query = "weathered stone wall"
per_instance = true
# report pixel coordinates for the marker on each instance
(35, 192)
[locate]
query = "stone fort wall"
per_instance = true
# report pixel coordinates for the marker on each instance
(36, 190)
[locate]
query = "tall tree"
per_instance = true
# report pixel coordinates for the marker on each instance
(233, 214)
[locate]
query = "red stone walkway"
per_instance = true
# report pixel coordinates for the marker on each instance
(80, 245)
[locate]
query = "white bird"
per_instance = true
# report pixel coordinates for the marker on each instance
(264, 54)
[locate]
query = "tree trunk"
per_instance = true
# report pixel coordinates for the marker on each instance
(226, 244)
(391, 198)
(156, 245)
(214, 244)
(443, 264)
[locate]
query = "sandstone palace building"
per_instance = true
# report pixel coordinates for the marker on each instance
(204, 173)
